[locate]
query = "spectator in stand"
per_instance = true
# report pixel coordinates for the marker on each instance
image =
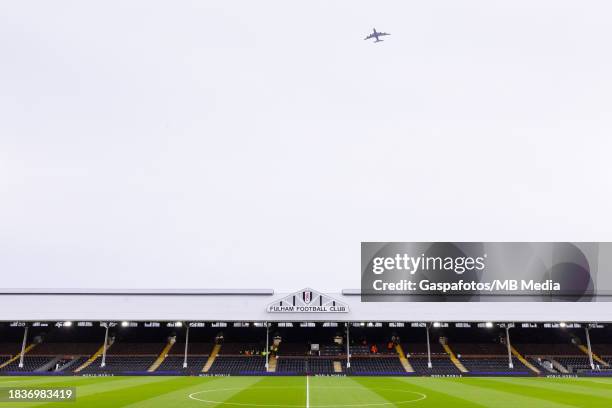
(390, 346)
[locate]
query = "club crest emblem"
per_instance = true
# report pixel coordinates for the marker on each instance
(307, 301)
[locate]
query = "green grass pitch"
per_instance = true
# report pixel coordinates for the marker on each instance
(330, 392)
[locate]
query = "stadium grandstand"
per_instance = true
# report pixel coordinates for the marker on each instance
(293, 345)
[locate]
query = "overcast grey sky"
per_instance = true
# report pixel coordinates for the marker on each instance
(150, 144)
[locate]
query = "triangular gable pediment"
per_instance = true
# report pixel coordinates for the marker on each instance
(307, 300)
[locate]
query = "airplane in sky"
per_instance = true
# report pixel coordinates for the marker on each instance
(375, 35)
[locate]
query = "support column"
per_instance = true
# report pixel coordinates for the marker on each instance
(588, 339)
(267, 348)
(23, 346)
(348, 347)
(510, 363)
(428, 347)
(103, 364)
(186, 346)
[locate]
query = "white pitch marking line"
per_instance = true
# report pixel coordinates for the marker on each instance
(307, 392)
(376, 404)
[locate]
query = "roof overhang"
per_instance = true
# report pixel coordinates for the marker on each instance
(252, 305)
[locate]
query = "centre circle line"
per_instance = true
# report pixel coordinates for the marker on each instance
(420, 395)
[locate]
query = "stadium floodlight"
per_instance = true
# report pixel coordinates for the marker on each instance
(125, 324)
(437, 324)
(489, 325)
(562, 325)
(67, 324)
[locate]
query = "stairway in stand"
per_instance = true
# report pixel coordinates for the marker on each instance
(162, 356)
(16, 357)
(454, 358)
(211, 359)
(271, 363)
(402, 356)
(93, 357)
